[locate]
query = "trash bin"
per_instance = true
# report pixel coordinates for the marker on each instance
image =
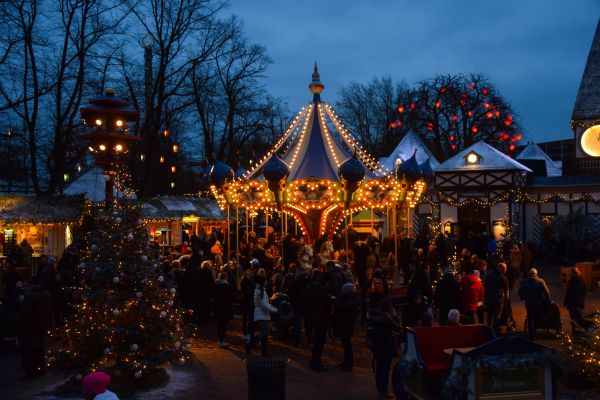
(266, 377)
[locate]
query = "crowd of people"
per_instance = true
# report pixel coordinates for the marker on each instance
(319, 293)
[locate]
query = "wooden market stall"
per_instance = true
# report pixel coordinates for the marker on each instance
(172, 220)
(47, 223)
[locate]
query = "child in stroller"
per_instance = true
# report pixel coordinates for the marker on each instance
(283, 321)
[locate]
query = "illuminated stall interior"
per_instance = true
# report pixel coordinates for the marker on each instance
(171, 219)
(47, 224)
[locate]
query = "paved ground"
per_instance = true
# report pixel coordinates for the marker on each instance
(220, 374)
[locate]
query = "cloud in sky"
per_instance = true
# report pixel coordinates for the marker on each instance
(534, 51)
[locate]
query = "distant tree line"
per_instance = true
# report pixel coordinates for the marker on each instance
(203, 84)
(449, 112)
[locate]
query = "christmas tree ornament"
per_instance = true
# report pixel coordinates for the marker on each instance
(163, 314)
(118, 220)
(144, 258)
(138, 374)
(161, 278)
(138, 294)
(134, 347)
(94, 247)
(115, 312)
(116, 279)
(173, 290)
(82, 265)
(106, 350)
(130, 237)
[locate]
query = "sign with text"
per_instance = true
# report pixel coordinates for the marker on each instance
(510, 383)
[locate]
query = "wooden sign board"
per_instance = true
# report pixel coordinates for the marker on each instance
(510, 384)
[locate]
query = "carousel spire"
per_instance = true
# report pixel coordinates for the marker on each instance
(315, 86)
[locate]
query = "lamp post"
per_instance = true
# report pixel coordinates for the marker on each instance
(106, 119)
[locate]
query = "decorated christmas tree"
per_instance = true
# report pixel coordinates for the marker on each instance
(125, 322)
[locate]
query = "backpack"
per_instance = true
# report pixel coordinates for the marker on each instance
(376, 287)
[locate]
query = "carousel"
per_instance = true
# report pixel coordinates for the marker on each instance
(316, 176)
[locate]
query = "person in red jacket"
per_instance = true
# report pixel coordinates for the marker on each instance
(471, 291)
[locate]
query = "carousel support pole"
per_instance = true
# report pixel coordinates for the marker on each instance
(387, 220)
(408, 222)
(282, 231)
(347, 245)
(246, 209)
(237, 234)
(395, 226)
(372, 220)
(228, 233)
(267, 224)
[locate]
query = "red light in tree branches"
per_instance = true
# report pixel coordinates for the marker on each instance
(485, 91)
(400, 109)
(486, 105)
(519, 136)
(399, 123)
(509, 117)
(453, 147)
(437, 104)
(393, 124)
(462, 102)
(452, 138)
(511, 147)
(465, 95)
(489, 114)
(471, 86)
(497, 113)
(470, 113)
(454, 118)
(412, 105)
(474, 129)
(507, 123)
(443, 90)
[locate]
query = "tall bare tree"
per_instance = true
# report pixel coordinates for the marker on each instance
(369, 109)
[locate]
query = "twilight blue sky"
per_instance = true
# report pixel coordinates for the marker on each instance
(534, 50)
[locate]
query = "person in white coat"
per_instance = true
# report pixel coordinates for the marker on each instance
(262, 316)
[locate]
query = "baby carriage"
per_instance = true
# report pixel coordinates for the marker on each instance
(507, 321)
(549, 319)
(283, 321)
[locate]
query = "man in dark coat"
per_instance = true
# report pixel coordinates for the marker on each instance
(222, 299)
(297, 292)
(575, 299)
(421, 282)
(495, 295)
(344, 321)
(36, 316)
(447, 295)
(536, 295)
(201, 290)
(319, 305)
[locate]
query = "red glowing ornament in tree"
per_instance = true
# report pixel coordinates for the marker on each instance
(400, 109)
(486, 105)
(412, 106)
(471, 86)
(507, 123)
(511, 147)
(454, 118)
(489, 114)
(452, 138)
(485, 91)
(470, 113)
(437, 104)
(443, 90)
(474, 129)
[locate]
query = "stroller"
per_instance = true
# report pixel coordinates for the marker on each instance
(506, 319)
(549, 320)
(283, 321)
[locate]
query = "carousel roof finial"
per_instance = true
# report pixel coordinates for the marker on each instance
(315, 86)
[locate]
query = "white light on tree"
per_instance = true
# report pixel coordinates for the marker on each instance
(119, 147)
(98, 122)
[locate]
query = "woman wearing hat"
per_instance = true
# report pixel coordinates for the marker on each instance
(262, 315)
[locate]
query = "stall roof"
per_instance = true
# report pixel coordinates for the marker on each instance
(405, 149)
(490, 159)
(45, 210)
(175, 207)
